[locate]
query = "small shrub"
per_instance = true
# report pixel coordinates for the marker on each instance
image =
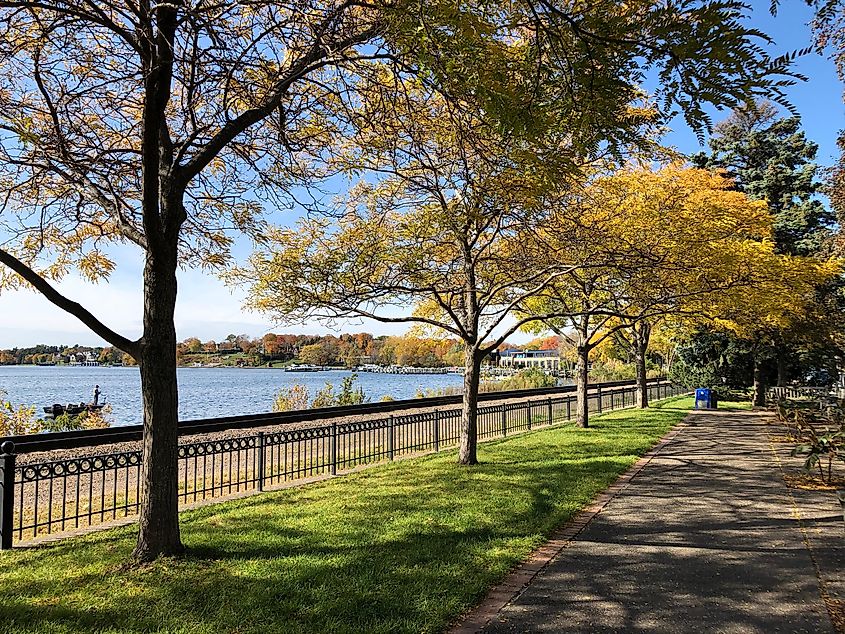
(97, 419)
(822, 448)
(20, 420)
(291, 398)
(325, 397)
(612, 370)
(434, 392)
(819, 433)
(15, 421)
(349, 394)
(523, 380)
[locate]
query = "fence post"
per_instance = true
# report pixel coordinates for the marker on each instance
(261, 461)
(390, 439)
(7, 494)
(598, 390)
(569, 408)
(333, 449)
(551, 417)
(436, 431)
(530, 413)
(504, 419)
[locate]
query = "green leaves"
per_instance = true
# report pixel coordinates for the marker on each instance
(770, 159)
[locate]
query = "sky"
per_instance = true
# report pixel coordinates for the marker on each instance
(207, 309)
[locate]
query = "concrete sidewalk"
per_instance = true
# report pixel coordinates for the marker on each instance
(703, 539)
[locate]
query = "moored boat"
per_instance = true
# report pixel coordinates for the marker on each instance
(71, 409)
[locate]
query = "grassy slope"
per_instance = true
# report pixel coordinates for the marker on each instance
(405, 547)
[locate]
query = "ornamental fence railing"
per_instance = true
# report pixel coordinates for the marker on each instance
(38, 499)
(779, 393)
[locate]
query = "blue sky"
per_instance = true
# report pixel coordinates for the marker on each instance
(209, 310)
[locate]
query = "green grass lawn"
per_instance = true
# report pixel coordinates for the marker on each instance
(405, 547)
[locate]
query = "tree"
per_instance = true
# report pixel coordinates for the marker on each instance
(150, 137)
(658, 243)
(247, 344)
(453, 190)
(110, 355)
(435, 232)
(781, 298)
(769, 158)
(324, 352)
(192, 345)
(712, 358)
(147, 123)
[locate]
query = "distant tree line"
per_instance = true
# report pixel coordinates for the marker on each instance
(347, 350)
(60, 354)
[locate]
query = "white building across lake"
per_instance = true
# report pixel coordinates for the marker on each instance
(541, 359)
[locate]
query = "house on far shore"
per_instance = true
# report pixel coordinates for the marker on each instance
(85, 359)
(541, 359)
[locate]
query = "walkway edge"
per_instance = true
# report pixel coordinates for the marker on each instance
(518, 579)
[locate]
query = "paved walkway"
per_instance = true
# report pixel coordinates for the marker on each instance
(703, 539)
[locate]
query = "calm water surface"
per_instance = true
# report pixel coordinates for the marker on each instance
(203, 392)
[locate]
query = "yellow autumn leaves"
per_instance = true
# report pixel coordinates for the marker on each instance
(675, 241)
(636, 243)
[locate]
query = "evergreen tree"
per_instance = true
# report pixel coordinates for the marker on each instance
(771, 159)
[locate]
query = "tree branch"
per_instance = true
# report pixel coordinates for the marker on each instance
(70, 306)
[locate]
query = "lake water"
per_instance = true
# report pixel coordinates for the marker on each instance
(203, 392)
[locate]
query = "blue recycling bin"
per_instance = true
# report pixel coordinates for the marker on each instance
(705, 398)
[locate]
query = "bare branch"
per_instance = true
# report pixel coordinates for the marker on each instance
(69, 306)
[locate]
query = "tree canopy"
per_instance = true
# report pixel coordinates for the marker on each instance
(169, 126)
(770, 159)
(658, 243)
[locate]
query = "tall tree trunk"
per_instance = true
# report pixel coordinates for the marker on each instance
(468, 454)
(641, 336)
(158, 532)
(759, 398)
(642, 381)
(582, 404)
(782, 378)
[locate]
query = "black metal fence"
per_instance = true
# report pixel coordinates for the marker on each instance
(44, 498)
